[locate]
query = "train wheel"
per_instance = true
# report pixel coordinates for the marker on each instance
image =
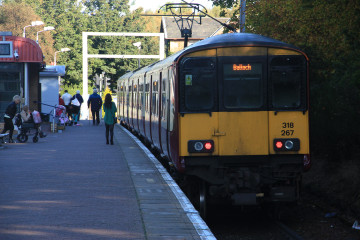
(203, 199)
(22, 137)
(196, 191)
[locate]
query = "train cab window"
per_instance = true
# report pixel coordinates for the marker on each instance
(198, 81)
(287, 78)
(242, 85)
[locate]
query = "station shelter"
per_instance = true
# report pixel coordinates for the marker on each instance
(21, 60)
(50, 86)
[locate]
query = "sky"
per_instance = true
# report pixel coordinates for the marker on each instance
(156, 4)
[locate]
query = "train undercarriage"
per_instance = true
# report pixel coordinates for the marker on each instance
(242, 181)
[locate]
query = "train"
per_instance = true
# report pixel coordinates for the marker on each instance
(230, 114)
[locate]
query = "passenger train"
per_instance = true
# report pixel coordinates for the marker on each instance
(231, 115)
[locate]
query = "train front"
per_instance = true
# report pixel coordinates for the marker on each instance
(244, 122)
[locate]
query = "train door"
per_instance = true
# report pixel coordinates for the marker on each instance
(136, 105)
(148, 81)
(155, 112)
(243, 119)
(121, 101)
(164, 99)
(131, 104)
(171, 136)
(141, 106)
(127, 105)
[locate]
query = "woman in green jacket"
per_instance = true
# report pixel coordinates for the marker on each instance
(109, 119)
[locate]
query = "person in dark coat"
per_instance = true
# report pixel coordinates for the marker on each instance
(9, 115)
(76, 106)
(96, 102)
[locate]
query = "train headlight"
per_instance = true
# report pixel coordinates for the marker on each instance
(289, 145)
(283, 144)
(200, 146)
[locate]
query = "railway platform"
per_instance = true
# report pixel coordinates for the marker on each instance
(71, 185)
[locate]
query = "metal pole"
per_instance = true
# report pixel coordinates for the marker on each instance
(139, 59)
(84, 109)
(162, 46)
(24, 35)
(55, 58)
(242, 15)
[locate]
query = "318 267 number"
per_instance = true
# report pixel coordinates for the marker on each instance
(286, 131)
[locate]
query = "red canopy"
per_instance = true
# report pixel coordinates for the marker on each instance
(28, 50)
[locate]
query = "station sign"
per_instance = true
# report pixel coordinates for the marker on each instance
(241, 67)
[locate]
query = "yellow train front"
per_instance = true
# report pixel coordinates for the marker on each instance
(243, 120)
(231, 115)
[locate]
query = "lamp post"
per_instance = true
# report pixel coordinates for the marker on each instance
(33, 23)
(61, 50)
(138, 45)
(49, 28)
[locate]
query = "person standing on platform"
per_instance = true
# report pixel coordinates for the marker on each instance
(109, 119)
(61, 101)
(76, 104)
(96, 102)
(67, 100)
(10, 113)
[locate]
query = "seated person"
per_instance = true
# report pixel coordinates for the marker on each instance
(25, 114)
(26, 117)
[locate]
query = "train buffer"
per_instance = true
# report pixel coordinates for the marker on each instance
(71, 185)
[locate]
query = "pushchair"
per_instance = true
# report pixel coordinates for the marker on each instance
(25, 128)
(61, 116)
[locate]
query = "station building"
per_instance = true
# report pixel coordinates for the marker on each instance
(21, 60)
(201, 29)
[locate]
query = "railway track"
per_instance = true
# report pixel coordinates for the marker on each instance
(235, 223)
(288, 233)
(251, 223)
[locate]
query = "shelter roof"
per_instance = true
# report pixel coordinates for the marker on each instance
(27, 49)
(50, 71)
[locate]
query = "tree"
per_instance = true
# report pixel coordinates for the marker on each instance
(15, 16)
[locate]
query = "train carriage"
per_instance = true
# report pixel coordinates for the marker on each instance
(231, 115)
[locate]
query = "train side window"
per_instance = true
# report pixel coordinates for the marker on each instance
(243, 85)
(127, 92)
(163, 99)
(155, 100)
(141, 94)
(147, 93)
(136, 96)
(287, 78)
(131, 96)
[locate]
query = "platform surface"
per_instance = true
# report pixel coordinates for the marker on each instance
(71, 185)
